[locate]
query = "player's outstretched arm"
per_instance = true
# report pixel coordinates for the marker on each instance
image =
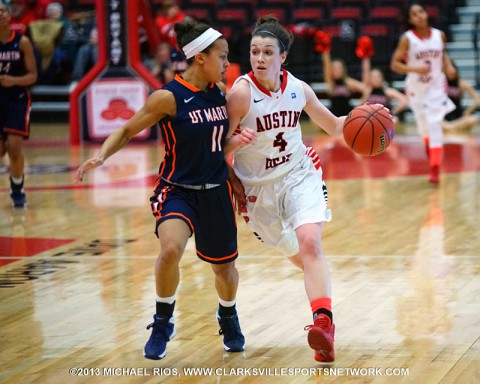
(320, 114)
(158, 105)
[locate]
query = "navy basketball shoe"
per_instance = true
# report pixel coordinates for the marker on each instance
(233, 339)
(163, 330)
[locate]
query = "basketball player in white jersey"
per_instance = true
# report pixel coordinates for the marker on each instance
(282, 195)
(420, 54)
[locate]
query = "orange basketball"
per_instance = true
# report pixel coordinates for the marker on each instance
(368, 130)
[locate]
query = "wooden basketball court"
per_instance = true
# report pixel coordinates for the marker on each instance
(77, 284)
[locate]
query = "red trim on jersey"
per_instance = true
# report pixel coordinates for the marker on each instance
(157, 182)
(423, 38)
(202, 256)
(265, 90)
(177, 214)
(170, 146)
(16, 131)
(182, 81)
(161, 198)
(27, 113)
(310, 152)
(12, 36)
(230, 194)
(167, 145)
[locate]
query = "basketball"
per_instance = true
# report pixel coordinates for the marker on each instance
(368, 129)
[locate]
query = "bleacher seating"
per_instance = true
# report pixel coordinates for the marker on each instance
(383, 20)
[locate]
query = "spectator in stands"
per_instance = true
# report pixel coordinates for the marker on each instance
(170, 14)
(460, 118)
(161, 65)
(46, 36)
(179, 62)
(340, 86)
(86, 58)
(40, 7)
(375, 91)
(21, 16)
(17, 72)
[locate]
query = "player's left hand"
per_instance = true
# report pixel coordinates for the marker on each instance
(7, 81)
(246, 137)
(87, 166)
(239, 193)
(381, 105)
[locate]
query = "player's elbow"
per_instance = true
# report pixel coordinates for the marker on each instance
(393, 66)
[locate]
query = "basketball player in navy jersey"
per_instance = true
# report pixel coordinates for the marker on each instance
(17, 72)
(192, 193)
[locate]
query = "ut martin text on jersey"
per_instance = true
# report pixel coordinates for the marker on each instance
(208, 114)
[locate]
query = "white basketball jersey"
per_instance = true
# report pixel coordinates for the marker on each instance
(275, 116)
(425, 52)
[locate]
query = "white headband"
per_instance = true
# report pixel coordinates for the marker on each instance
(201, 42)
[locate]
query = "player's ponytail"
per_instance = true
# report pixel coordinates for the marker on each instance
(187, 31)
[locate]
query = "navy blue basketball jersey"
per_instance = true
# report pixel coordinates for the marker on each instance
(195, 136)
(11, 61)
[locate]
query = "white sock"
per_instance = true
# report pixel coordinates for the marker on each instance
(16, 180)
(227, 303)
(168, 300)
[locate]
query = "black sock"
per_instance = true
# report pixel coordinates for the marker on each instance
(16, 186)
(325, 312)
(164, 310)
(226, 311)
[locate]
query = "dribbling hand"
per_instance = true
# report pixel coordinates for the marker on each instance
(247, 137)
(87, 166)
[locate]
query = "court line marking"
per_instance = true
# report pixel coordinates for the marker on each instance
(241, 256)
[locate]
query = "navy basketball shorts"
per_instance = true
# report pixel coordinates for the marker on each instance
(209, 213)
(15, 113)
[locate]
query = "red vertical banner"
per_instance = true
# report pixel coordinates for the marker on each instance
(118, 85)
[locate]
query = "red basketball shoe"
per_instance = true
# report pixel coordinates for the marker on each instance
(434, 176)
(321, 336)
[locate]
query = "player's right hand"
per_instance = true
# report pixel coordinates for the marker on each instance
(87, 166)
(423, 70)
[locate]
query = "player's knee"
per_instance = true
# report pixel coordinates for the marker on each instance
(170, 254)
(308, 244)
(225, 270)
(14, 149)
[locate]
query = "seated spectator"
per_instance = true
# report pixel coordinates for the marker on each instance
(170, 14)
(21, 16)
(460, 118)
(46, 35)
(40, 7)
(161, 65)
(86, 58)
(179, 61)
(376, 91)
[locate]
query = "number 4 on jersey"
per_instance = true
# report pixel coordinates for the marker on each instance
(280, 142)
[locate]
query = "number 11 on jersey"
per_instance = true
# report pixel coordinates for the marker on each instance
(217, 138)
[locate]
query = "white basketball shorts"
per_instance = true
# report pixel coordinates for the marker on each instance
(276, 209)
